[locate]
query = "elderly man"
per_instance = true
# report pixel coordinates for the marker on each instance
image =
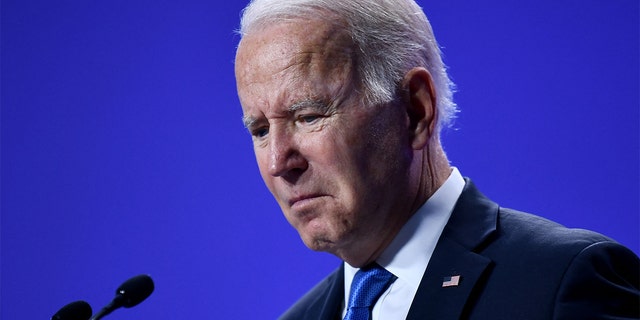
(345, 101)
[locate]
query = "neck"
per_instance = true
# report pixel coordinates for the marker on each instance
(435, 170)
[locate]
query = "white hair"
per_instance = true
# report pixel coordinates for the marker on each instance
(390, 36)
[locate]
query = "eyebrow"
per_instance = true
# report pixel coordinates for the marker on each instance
(308, 103)
(249, 121)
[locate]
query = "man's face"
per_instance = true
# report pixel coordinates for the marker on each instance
(338, 169)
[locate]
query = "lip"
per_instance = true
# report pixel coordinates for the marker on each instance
(299, 200)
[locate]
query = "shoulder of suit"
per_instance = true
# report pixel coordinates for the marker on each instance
(529, 231)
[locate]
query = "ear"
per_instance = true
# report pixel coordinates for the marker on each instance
(421, 106)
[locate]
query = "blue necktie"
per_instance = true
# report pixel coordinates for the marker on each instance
(368, 285)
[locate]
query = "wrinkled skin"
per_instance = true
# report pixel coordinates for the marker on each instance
(346, 176)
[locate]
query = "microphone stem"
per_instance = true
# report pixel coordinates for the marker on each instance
(114, 304)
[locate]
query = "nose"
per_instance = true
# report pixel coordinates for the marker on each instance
(285, 157)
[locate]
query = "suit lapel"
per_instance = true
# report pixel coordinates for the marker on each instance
(328, 304)
(435, 301)
(471, 224)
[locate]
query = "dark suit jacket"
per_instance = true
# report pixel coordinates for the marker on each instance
(513, 266)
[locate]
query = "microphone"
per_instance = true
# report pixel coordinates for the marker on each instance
(129, 294)
(77, 310)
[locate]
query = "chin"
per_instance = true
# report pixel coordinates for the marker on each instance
(317, 241)
(319, 233)
(319, 246)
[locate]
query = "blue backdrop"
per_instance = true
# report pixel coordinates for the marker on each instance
(123, 150)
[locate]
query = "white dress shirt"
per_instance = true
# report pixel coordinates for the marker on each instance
(408, 254)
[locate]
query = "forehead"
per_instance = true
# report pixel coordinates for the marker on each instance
(292, 60)
(294, 41)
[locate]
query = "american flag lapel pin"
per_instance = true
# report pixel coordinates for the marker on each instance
(450, 281)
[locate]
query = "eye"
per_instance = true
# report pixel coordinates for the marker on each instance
(260, 132)
(310, 118)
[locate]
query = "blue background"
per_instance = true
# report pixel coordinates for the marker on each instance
(123, 150)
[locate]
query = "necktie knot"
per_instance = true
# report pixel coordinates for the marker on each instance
(367, 286)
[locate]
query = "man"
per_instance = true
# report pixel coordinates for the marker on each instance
(345, 101)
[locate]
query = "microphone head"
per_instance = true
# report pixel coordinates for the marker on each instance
(77, 310)
(135, 290)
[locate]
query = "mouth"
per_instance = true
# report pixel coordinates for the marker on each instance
(304, 200)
